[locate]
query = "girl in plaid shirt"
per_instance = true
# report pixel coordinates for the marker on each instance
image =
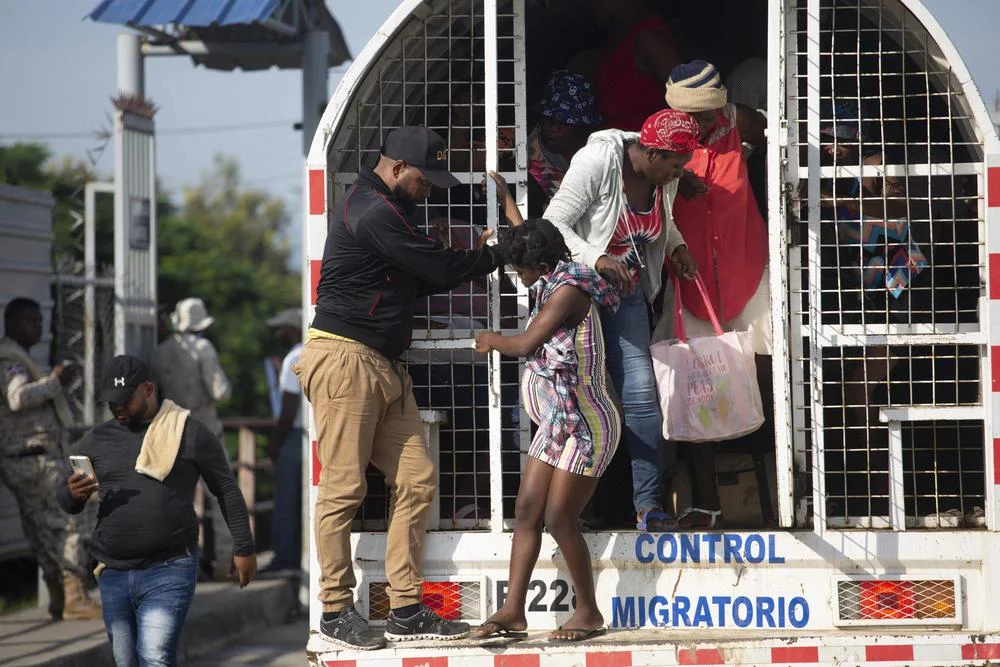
(567, 393)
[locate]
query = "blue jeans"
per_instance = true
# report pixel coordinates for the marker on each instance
(144, 610)
(626, 336)
(286, 529)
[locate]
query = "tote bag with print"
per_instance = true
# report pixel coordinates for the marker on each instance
(707, 385)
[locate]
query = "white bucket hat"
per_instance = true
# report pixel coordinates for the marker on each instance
(190, 315)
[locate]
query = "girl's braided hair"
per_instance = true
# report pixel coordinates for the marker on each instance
(533, 243)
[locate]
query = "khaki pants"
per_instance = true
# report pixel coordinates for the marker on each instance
(365, 412)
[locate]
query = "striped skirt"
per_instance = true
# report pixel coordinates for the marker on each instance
(598, 409)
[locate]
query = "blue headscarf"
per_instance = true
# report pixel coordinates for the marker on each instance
(569, 99)
(841, 119)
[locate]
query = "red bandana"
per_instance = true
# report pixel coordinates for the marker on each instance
(670, 130)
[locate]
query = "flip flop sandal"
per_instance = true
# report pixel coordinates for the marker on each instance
(661, 521)
(495, 630)
(581, 634)
(713, 516)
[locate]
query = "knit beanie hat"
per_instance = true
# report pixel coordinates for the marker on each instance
(695, 86)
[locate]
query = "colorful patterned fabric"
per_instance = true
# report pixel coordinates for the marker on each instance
(670, 130)
(565, 383)
(885, 252)
(840, 119)
(546, 167)
(570, 99)
(635, 230)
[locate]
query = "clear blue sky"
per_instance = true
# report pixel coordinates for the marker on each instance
(57, 73)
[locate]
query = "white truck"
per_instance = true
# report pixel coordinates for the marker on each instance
(883, 544)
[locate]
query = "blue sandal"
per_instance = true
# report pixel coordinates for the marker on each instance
(655, 521)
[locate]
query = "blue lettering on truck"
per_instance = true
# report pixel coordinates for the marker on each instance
(707, 548)
(717, 611)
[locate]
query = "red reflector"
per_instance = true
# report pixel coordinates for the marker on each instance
(444, 598)
(887, 599)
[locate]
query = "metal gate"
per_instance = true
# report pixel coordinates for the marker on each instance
(456, 66)
(881, 309)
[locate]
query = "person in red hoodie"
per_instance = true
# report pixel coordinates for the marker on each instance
(718, 217)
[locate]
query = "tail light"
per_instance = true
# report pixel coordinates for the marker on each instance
(898, 601)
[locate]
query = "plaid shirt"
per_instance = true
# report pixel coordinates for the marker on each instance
(556, 360)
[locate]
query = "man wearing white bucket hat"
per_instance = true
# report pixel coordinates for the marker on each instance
(187, 371)
(187, 368)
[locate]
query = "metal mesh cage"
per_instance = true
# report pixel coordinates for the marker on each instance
(879, 602)
(886, 262)
(433, 72)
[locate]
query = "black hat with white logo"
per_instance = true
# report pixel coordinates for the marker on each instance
(424, 149)
(121, 376)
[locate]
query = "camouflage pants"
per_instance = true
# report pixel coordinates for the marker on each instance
(57, 538)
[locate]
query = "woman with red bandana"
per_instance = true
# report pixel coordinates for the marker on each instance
(718, 215)
(614, 210)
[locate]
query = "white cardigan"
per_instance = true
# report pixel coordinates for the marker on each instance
(590, 200)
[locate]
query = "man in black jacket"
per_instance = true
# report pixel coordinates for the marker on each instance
(146, 539)
(376, 263)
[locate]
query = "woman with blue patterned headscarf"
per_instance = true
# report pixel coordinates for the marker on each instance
(568, 115)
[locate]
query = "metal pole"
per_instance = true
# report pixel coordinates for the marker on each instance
(777, 147)
(315, 63)
(89, 319)
(491, 121)
(131, 81)
(131, 76)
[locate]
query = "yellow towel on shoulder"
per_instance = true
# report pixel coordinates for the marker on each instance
(162, 441)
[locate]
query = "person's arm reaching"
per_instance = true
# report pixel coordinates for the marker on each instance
(752, 126)
(22, 393)
(656, 54)
(214, 469)
(568, 305)
(404, 246)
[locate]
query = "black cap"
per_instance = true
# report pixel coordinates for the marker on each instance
(424, 149)
(121, 376)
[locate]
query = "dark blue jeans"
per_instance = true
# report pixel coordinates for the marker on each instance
(286, 528)
(144, 610)
(626, 336)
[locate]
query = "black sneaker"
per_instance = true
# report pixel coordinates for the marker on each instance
(425, 624)
(350, 630)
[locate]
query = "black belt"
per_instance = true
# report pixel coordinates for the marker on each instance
(31, 451)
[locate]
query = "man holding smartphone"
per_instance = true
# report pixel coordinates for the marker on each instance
(33, 418)
(146, 542)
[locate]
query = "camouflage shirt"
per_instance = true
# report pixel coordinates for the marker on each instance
(27, 412)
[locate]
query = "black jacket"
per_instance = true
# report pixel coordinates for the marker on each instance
(142, 522)
(376, 263)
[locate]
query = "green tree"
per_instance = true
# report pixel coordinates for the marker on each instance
(226, 244)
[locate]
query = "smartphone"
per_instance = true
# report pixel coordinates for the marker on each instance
(82, 464)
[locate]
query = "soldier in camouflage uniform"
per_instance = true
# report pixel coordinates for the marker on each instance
(33, 415)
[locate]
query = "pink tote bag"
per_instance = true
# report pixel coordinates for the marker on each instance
(707, 385)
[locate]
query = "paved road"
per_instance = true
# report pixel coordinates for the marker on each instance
(281, 646)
